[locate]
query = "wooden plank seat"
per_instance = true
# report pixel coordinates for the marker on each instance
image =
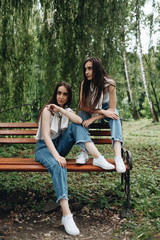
(29, 164)
(24, 133)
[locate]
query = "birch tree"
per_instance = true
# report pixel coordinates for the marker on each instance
(140, 53)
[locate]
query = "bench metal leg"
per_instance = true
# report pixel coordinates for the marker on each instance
(122, 177)
(126, 177)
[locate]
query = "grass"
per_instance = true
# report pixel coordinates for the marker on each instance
(142, 139)
(103, 190)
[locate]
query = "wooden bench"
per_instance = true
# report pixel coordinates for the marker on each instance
(24, 133)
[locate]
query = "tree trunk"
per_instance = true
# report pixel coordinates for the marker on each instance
(127, 75)
(154, 115)
(155, 96)
(134, 108)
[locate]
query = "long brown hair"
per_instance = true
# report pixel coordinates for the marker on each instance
(98, 81)
(53, 100)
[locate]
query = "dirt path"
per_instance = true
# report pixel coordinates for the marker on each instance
(42, 226)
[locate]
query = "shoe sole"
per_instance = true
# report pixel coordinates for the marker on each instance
(71, 233)
(103, 167)
(80, 163)
(120, 171)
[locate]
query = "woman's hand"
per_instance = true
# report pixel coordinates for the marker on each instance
(110, 114)
(87, 122)
(62, 161)
(53, 108)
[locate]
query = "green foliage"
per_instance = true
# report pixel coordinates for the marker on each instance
(43, 43)
(24, 182)
(145, 112)
(127, 113)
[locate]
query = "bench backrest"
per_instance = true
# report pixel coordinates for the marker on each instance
(25, 133)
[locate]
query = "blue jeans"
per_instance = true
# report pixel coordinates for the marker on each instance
(115, 125)
(73, 134)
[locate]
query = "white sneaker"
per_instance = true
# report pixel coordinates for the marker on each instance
(70, 225)
(82, 158)
(120, 166)
(102, 162)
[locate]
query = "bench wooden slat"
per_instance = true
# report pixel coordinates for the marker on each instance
(18, 161)
(18, 125)
(90, 161)
(18, 132)
(22, 168)
(35, 125)
(41, 168)
(33, 161)
(33, 140)
(17, 140)
(99, 125)
(33, 132)
(29, 164)
(88, 168)
(102, 141)
(100, 132)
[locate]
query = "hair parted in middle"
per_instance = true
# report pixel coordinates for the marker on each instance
(53, 99)
(97, 80)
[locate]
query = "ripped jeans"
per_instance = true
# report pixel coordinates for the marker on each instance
(73, 134)
(115, 125)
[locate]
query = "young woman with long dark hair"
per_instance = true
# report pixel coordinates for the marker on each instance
(98, 101)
